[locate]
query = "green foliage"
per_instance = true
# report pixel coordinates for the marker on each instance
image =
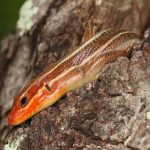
(9, 13)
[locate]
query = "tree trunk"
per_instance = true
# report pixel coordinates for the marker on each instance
(108, 114)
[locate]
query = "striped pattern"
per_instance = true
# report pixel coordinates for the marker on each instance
(81, 66)
(105, 41)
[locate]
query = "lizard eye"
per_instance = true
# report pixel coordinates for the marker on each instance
(23, 102)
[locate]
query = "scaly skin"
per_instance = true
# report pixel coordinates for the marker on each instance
(81, 66)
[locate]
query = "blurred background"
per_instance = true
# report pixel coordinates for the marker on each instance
(9, 13)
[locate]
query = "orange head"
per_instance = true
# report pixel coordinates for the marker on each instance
(32, 99)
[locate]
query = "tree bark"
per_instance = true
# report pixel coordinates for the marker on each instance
(110, 113)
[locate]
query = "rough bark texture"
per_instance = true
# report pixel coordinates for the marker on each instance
(108, 114)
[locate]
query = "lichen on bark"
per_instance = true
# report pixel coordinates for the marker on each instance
(109, 113)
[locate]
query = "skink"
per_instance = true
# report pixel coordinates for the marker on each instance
(81, 66)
